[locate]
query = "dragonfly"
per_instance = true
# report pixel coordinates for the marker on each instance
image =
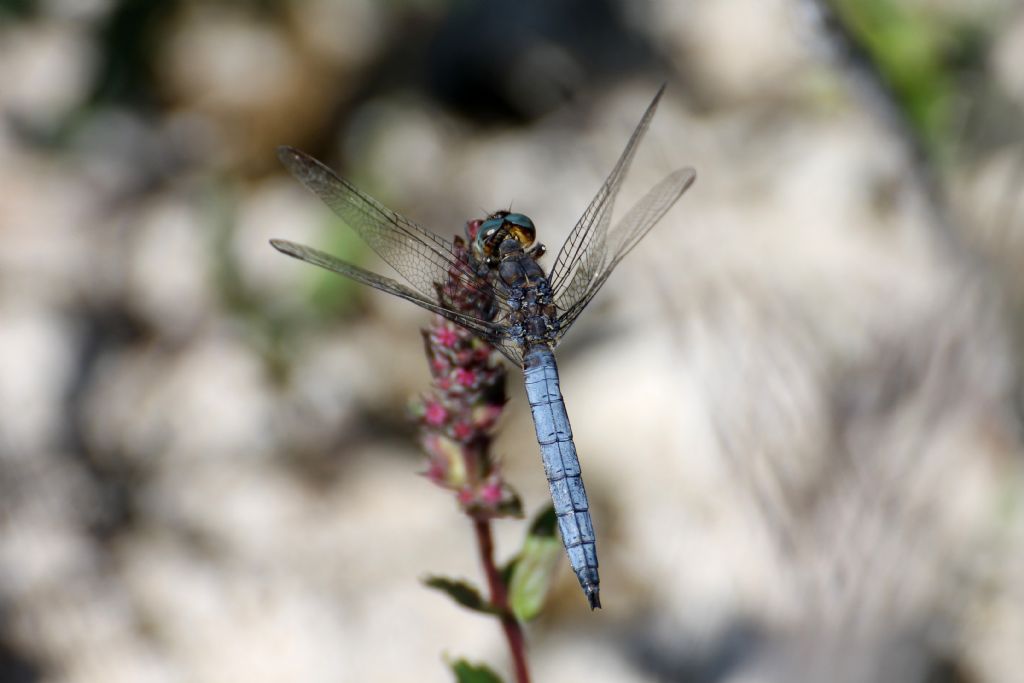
(532, 310)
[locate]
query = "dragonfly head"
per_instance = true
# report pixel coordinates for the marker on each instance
(499, 227)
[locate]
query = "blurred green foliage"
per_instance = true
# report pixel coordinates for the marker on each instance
(126, 39)
(333, 296)
(473, 673)
(534, 568)
(920, 53)
(16, 8)
(462, 592)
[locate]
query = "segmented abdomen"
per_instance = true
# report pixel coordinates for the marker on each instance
(562, 467)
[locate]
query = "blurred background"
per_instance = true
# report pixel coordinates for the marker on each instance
(797, 402)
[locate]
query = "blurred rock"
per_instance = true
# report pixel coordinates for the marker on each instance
(173, 239)
(1006, 55)
(36, 364)
(731, 49)
(46, 69)
(209, 400)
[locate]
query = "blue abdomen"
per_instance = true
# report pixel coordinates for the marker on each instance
(562, 467)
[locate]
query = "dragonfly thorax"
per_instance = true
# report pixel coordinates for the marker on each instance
(517, 270)
(532, 315)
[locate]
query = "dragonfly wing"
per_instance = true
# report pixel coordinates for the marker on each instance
(420, 256)
(487, 330)
(627, 233)
(511, 351)
(585, 250)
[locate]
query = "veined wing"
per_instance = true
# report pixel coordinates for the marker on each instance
(627, 233)
(423, 258)
(485, 329)
(584, 253)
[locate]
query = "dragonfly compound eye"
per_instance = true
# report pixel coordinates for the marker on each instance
(499, 227)
(521, 228)
(488, 236)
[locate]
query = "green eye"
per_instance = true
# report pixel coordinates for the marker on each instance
(488, 237)
(521, 220)
(489, 227)
(500, 227)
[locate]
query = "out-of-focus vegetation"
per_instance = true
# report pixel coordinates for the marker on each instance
(924, 52)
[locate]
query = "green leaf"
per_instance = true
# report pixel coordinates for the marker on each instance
(919, 52)
(461, 592)
(507, 570)
(512, 506)
(473, 673)
(545, 523)
(534, 568)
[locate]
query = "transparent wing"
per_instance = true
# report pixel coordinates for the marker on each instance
(627, 233)
(584, 252)
(487, 330)
(420, 256)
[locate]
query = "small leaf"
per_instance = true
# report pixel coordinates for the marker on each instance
(461, 592)
(473, 673)
(507, 569)
(545, 523)
(534, 567)
(511, 506)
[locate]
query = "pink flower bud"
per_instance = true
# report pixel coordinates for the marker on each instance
(435, 415)
(491, 493)
(462, 430)
(446, 337)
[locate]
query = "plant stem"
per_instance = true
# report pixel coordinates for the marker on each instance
(499, 598)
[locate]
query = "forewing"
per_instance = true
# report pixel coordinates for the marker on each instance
(584, 253)
(644, 215)
(487, 330)
(420, 256)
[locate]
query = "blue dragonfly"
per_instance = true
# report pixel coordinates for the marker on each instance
(530, 311)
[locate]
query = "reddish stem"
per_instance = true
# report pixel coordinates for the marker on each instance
(499, 598)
